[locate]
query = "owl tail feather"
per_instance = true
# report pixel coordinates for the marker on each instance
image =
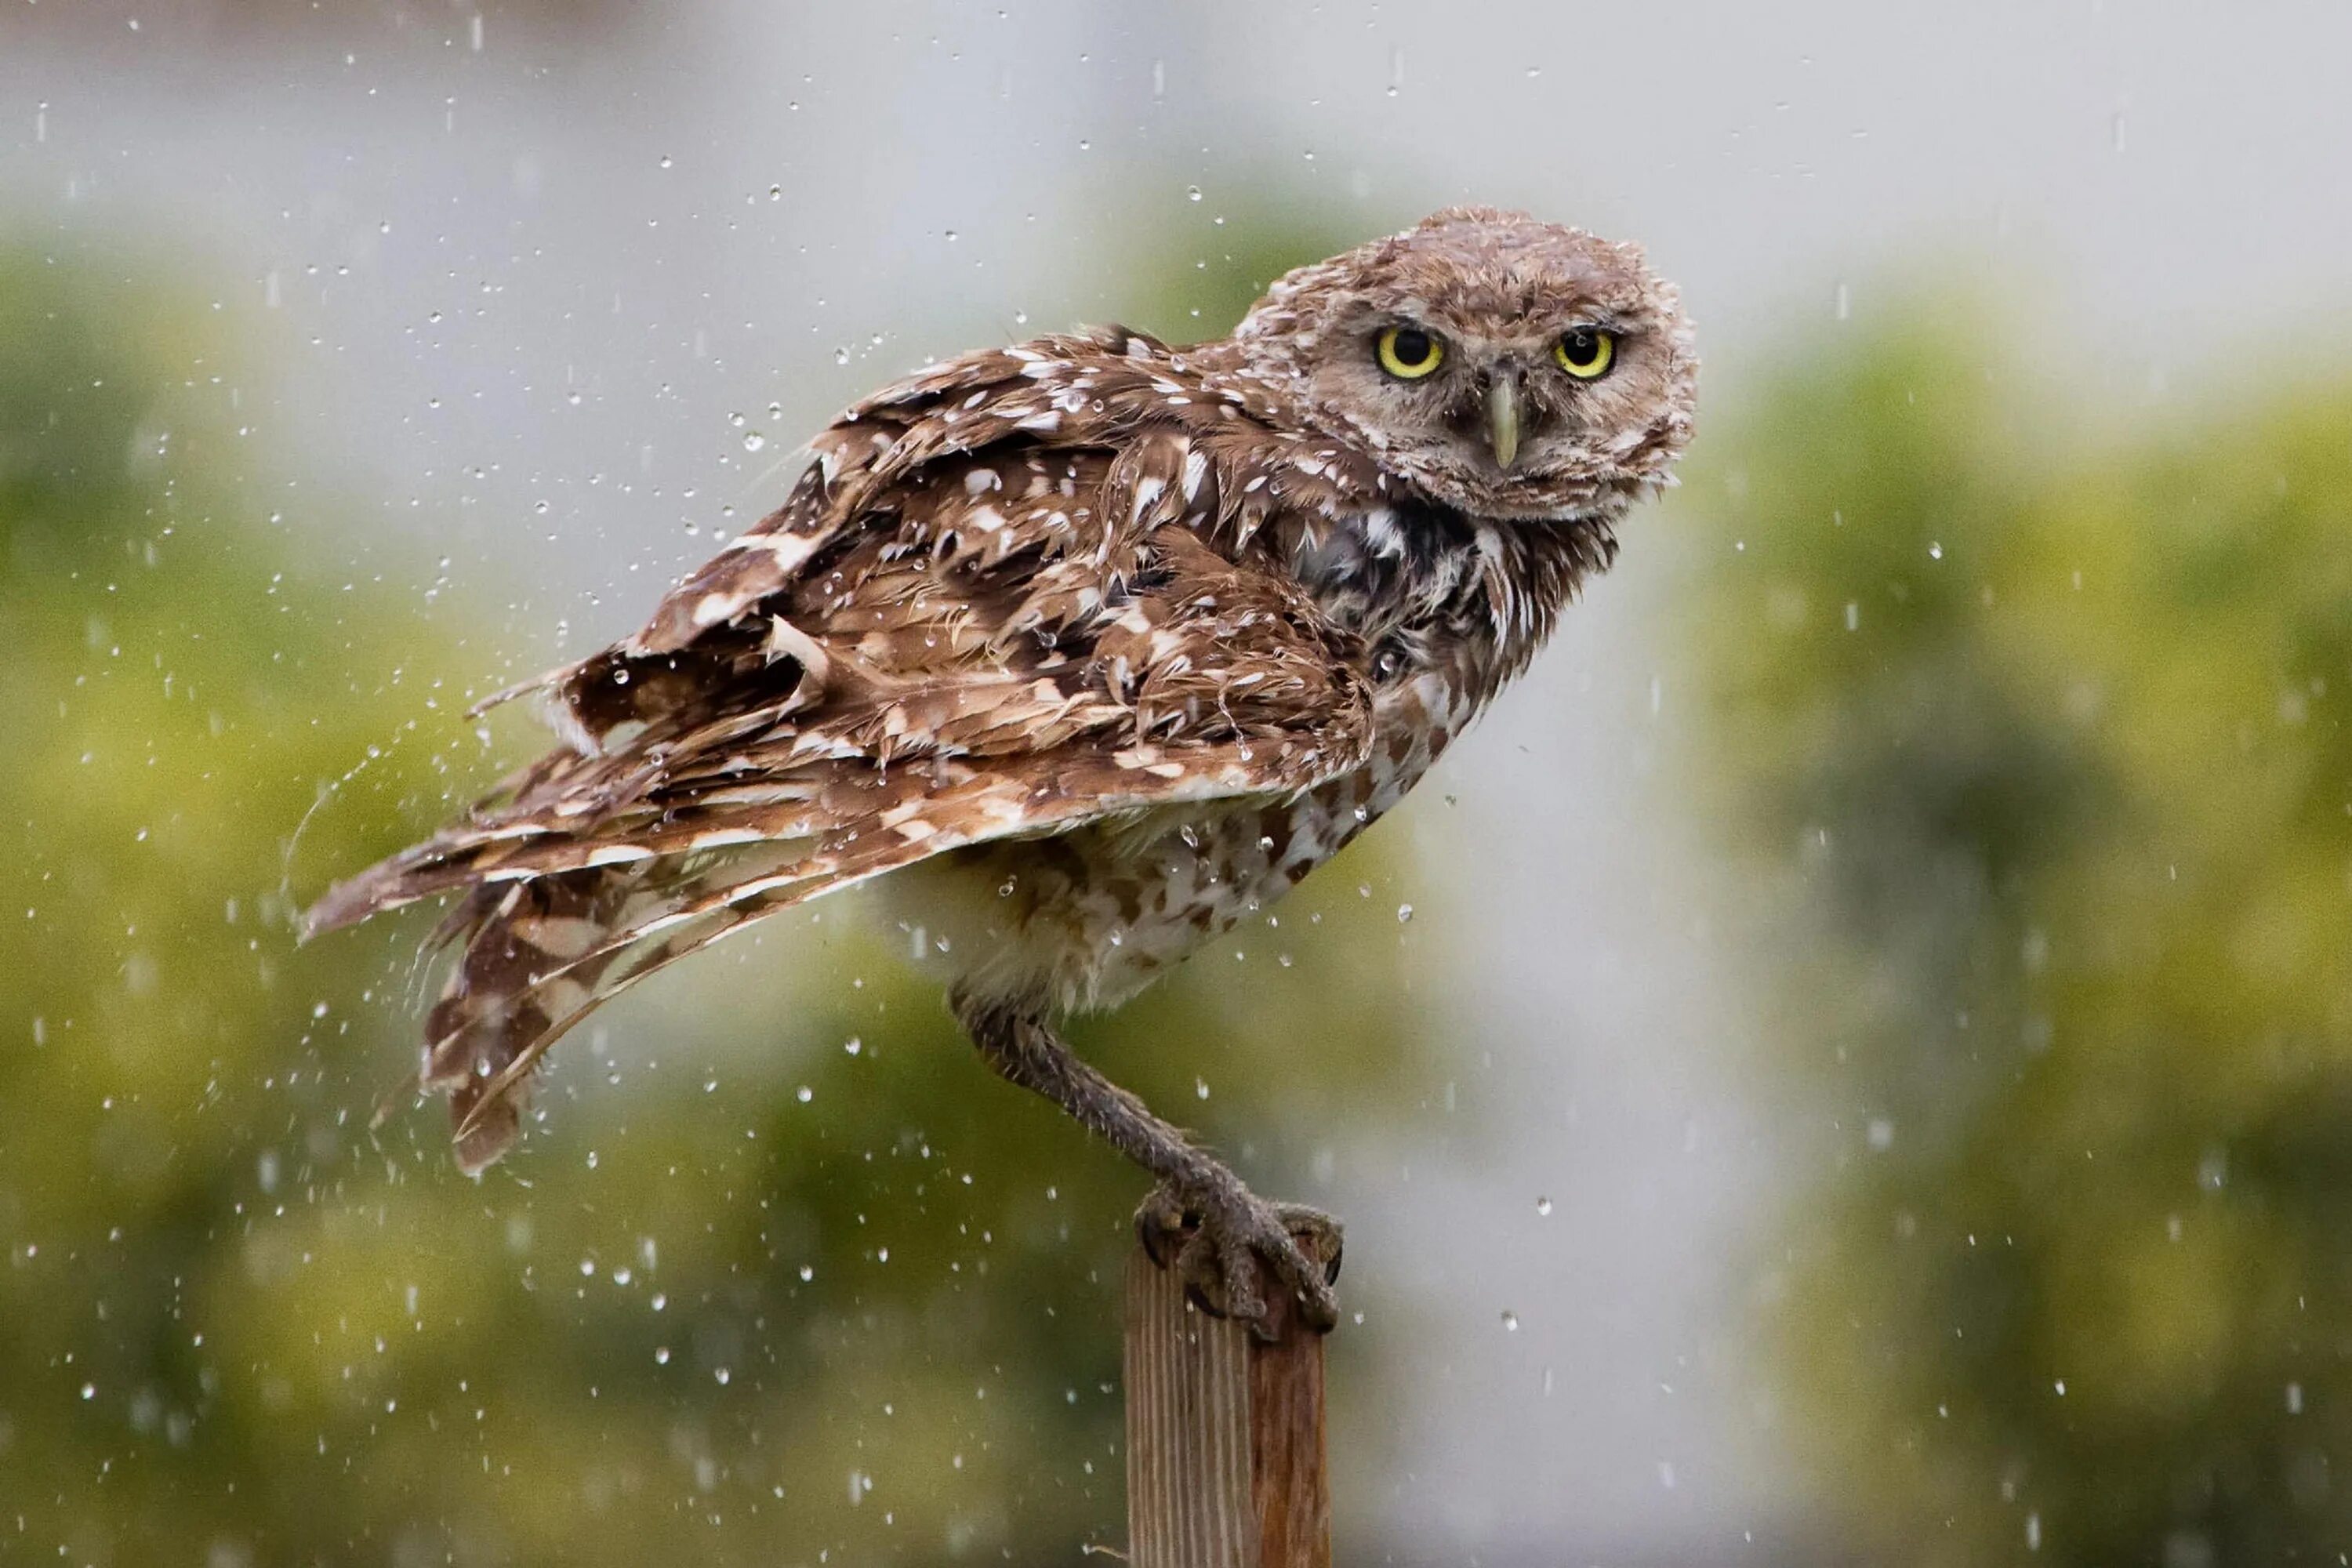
(540, 955)
(545, 939)
(493, 1009)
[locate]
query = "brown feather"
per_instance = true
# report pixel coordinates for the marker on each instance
(1193, 615)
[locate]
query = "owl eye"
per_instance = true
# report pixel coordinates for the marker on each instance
(1585, 354)
(1409, 353)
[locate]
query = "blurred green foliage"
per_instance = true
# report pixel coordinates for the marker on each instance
(1201, 272)
(2035, 743)
(784, 1276)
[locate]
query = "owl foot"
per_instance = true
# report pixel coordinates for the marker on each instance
(1226, 1243)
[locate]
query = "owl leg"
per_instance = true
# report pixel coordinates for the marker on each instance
(1225, 1238)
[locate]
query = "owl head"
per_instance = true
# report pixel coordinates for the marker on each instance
(1504, 367)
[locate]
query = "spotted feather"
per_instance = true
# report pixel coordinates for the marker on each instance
(1135, 635)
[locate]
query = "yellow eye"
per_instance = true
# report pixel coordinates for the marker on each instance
(1585, 352)
(1409, 353)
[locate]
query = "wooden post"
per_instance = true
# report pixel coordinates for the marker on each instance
(1224, 1436)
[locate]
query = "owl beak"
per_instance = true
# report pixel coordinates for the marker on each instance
(1503, 417)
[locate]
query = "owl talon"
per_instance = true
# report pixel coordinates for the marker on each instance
(1161, 1223)
(1229, 1246)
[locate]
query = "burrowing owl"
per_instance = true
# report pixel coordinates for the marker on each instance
(1095, 647)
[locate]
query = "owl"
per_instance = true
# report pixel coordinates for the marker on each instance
(1082, 651)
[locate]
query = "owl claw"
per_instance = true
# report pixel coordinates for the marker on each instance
(1225, 1242)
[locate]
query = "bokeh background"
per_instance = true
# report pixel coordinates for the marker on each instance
(1852, 1062)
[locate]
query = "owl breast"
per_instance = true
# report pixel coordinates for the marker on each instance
(1083, 920)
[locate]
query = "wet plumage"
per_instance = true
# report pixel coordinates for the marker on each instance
(1090, 648)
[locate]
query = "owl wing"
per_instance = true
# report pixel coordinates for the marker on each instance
(1010, 596)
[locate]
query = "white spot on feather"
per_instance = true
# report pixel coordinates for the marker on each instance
(787, 640)
(789, 549)
(719, 837)
(562, 996)
(1196, 468)
(562, 936)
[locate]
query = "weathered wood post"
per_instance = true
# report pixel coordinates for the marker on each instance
(1224, 1436)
